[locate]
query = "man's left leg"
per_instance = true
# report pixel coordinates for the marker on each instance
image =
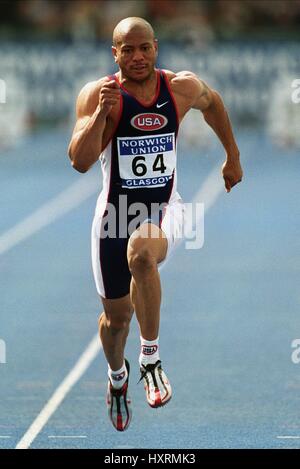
(146, 248)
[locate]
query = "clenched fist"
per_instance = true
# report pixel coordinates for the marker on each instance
(232, 173)
(109, 96)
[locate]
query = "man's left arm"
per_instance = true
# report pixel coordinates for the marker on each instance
(210, 103)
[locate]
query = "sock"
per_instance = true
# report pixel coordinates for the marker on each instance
(149, 351)
(118, 377)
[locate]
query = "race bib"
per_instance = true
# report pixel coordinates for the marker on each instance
(146, 161)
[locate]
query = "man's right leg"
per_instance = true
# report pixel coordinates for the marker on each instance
(112, 278)
(113, 330)
(114, 327)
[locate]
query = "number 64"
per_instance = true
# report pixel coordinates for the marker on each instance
(139, 168)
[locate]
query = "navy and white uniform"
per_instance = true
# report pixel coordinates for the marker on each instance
(138, 167)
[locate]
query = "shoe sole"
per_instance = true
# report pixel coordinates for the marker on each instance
(127, 407)
(159, 404)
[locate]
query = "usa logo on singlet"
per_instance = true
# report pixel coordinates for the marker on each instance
(146, 161)
(149, 122)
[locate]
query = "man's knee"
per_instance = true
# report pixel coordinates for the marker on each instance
(116, 323)
(140, 257)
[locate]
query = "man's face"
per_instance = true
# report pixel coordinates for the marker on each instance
(136, 55)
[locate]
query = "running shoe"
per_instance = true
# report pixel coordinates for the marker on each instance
(156, 384)
(119, 404)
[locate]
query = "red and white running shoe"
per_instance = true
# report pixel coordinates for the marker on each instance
(156, 384)
(119, 404)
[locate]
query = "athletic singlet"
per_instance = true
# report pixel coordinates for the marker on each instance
(140, 159)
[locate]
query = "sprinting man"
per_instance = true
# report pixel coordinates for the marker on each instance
(130, 121)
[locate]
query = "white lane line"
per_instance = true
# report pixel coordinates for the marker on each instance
(64, 202)
(211, 188)
(288, 437)
(67, 436)
(63, 389)
(4, 437)
(124, 447)
(208, 194)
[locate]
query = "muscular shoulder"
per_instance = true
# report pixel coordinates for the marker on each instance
(88, 97)
(188, 85)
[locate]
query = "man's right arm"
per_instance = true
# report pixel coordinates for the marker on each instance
(93, 106)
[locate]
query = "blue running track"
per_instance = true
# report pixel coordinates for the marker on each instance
(229, 315)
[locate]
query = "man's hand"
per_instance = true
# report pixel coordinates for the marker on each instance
(109, 96)
(232, 173)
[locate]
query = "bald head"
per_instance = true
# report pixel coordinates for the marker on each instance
(135, 49)
(131, 25)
